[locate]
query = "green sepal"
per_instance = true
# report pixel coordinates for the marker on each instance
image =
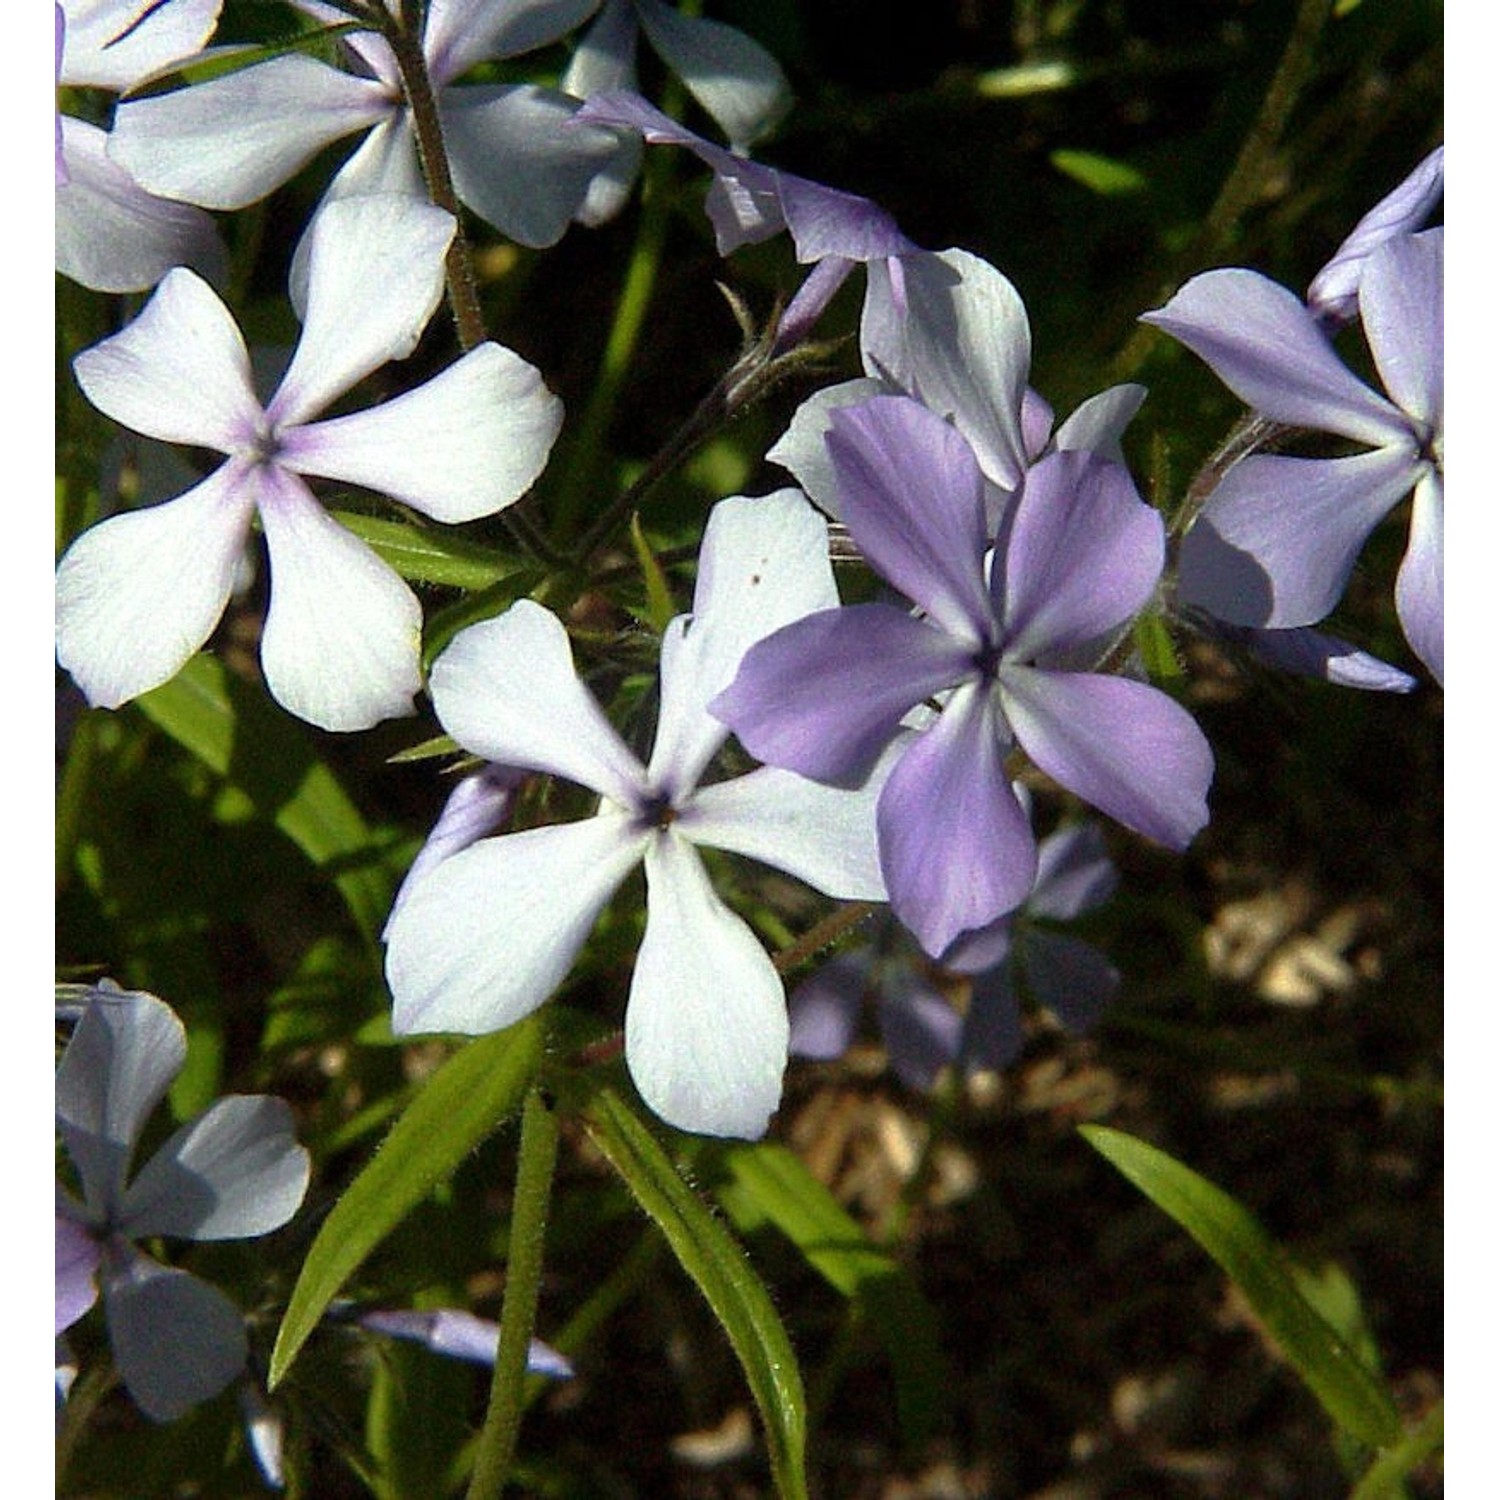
(460, 1106)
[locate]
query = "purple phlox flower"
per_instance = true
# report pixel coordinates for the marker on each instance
(231, 140)
(1277, 540)
(919, 1026)
(265, 1433)
(997, 641)
(1305, 652)
(748, 202)
(140, 592)
(951, 331)
(487, 934)
(112, 234)
(1333, 294)
(460, 1334)
(234, 1172)
(734, 78)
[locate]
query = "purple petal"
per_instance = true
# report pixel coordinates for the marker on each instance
(1082, 555)
(827, 222)
(1401, 307)
(1305, 652)
(912, 496)
(1099, 423)
(921, 1030)
(1419, 584)
(955, 845)
(1334, 292)
(824, 695)
(74, 1284)
(461, 1335)
(1123, 746)
(1068, 977)
(1273, 354)
(1278, 539)
(461, 33)
(824, 1010)
(1074, 873)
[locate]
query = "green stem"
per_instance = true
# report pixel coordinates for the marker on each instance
(589, 444)
(72, 794)
(77, 1411)
(1383, 1478)
(523, 1275)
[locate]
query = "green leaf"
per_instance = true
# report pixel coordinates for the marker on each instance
(1100, 174)
(237, 732)
(1384, 1478)
(428, 554)
(716, 1262)
(1355, 1400)
(773, 1183)
(1154, 641)
(659, 605)
(484, 604)
(462, 1104)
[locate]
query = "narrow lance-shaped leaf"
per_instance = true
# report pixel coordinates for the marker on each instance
(777, 1185)
(716, 1262)
(457, 1108)
(1348, 1392)
(429, 555)
(240, 735)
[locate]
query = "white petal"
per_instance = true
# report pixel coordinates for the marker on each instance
(489, 934)
(234, 139)
(506, 690)
(460, 33)
(343, 633)
(821, 834)
(103, 49)
(803, 450)
(139, 593)
(234, 1172)
(123, 1054)
(763, 563)
(706, 1026)
(374, 279)
(465, 444)
(111, 234)
(176, 1340)
(179, 372)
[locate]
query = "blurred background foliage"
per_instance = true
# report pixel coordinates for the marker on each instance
(1280, 1025)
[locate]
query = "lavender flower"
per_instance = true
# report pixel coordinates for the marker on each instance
(705, 1025)
(921, 1030)
(460, 1334)
(233, 1172)
(999, 640)
(140, 592)
(1276, 542)
(110, 233)
(232, 140)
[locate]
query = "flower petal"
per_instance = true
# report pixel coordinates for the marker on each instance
(955, 845)
(110, 233)
(825, 695)
(826, 223)
(921, 1030)
(1334, 292)
(1081, 555)
(516, 161)
(489, 934)
(232, 140)
(234, 1172)
(1310, 653)
(823, 835)
(109, 46)
(993, 1036)
(1074, 873)
(460, 33)
(343, 633)
(1067, 976)
(176, 1340)
(363, 308)
(763, 563)
(180, 372)
(1278, 539)
(912, 496)
(139, 593)
(1260, 340)
(76, 1259)
(1098, 424)
(1401, 307)
(464, 444)
(1123, 746)
(506, 690)
(1419, 584)
(823, 1011)
(706, 1024)
(803, 448)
